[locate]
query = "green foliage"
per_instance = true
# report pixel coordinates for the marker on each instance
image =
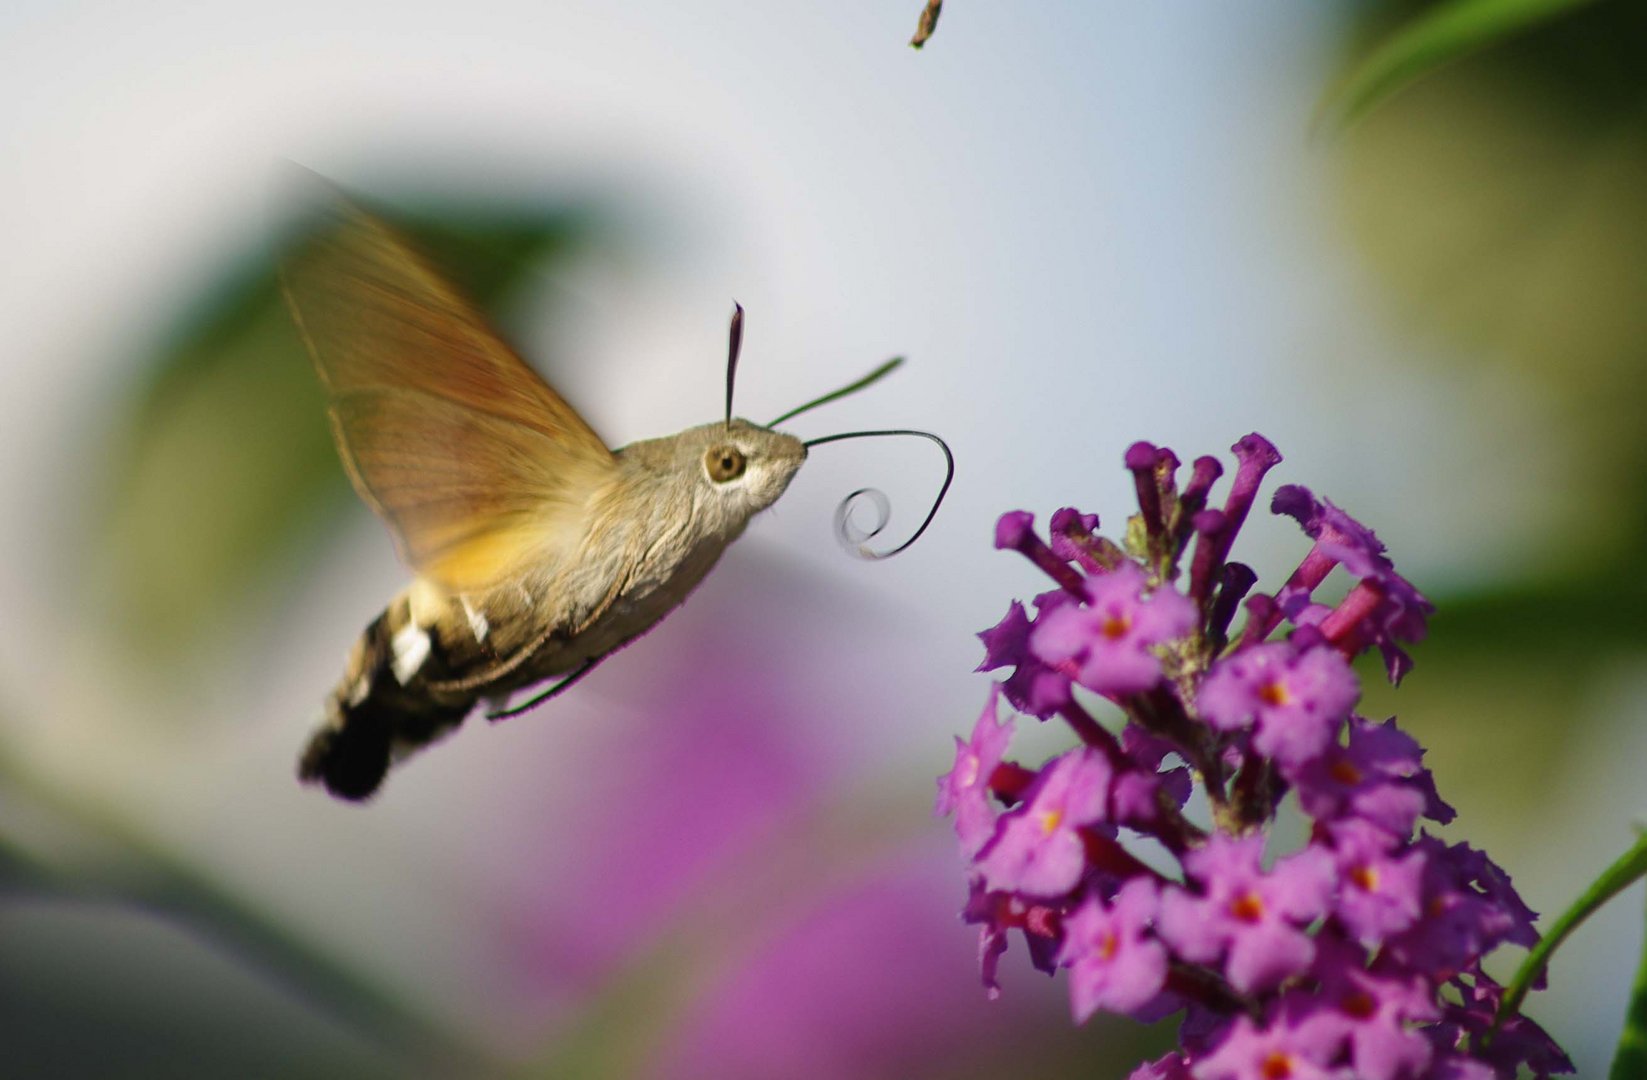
(1437, 35)
(1498, 202)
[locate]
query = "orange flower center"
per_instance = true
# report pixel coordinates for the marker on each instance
(1345, 772)
(1050, 820)
(1365, 878)
(1276, 1066)
(1248, 907)
(1115, 627)
(1107, 945)
(1274, 693)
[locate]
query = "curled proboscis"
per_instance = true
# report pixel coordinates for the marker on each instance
(855, 538)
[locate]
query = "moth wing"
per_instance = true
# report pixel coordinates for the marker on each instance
(472, 460)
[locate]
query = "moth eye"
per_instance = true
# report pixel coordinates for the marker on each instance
(724, 463)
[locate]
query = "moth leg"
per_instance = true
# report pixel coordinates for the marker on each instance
(564, 684)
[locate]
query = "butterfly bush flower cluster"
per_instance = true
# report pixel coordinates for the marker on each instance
(1356, 956)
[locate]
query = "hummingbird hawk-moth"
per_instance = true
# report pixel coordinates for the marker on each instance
(536, 551)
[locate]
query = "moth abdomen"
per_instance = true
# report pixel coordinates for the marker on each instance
(381, 710)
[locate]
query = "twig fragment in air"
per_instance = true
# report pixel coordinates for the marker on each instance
(928, 23)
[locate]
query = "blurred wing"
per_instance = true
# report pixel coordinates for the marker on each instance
(468, 455)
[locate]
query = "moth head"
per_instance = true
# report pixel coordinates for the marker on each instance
(742, 466)
(745, 466)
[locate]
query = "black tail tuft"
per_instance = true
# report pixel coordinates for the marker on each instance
(350, 760)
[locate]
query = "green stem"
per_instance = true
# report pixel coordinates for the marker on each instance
(1614, 880)
(1631, 1059)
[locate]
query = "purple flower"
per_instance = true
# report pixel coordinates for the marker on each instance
(1281, 1051)
(1216, 529)
(1256, 917)
(1491, 880)
(1171, 1067)
(1114, 961)
(1297, 700)
(1032, 687)
(1037, 849)
(1378, 777)
(1139, 796)
(1468, 908)
(1005, 643)
(1073, 540)
(1328, 526)
(1459, 1067)
(1380, 881)
(1015, 531)
(1372, 1013)
(984, 908)
(964, 790)
(1106, 643)
(1383, 609)
(996, 913)
(1517, 1042)
(1255, 456)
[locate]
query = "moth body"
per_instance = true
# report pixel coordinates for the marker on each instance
(642, 542)
(536, 551)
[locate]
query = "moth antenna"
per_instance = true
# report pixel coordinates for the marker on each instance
(852, 388)
(733, 346)
(857, 540)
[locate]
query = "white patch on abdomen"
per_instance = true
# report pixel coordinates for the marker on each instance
(477, 621)
(410, 646)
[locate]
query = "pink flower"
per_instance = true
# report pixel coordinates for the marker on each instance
(1258, 919)
(1115, 962)
(964, 790)
(1296, 700)
(1107, 643)
(1038, 850)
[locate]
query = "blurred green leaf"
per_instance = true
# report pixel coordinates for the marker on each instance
(1498, 203)
(1497, 665)
(1435, 36)
(136, 871)
(21, 873)
(1631, 1059)
(1563, 620)
(223, 463)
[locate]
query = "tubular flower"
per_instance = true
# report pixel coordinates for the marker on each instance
(1357, 953)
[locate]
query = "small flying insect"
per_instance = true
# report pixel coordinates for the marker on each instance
(536, 551)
